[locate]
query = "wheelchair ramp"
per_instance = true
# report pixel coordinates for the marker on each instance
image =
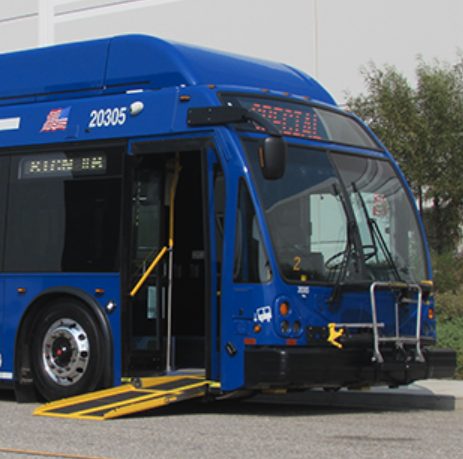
(144, 394)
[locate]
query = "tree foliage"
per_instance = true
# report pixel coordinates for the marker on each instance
(423, 128)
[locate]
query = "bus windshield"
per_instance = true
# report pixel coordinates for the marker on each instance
(338, 215)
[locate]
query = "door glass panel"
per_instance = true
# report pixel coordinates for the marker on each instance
(146, 306)
(146, 218)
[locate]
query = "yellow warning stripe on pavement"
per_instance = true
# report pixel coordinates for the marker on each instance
(148, 393)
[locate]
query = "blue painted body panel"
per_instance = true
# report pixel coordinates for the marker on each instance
(95, 76)
(136, 61)
(34, 284)
(33, 74)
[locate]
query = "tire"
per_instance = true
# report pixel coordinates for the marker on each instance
(67, 352)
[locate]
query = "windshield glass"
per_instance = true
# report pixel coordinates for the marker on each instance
(387, 224)
(333, 213)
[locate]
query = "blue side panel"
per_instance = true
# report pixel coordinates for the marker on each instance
(26, 74)
(117, 64)
(15, 306)
(228, 69)
(155, 118)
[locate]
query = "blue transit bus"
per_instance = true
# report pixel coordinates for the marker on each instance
(168, 207)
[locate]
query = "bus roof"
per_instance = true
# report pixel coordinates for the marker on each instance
(128, 62)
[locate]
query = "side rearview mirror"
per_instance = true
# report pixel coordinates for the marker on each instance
(272, 157)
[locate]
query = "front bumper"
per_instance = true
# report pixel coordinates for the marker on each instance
(304, 367)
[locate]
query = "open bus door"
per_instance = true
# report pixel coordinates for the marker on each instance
(172, 316)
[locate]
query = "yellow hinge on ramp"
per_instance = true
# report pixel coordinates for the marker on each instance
(119, 401)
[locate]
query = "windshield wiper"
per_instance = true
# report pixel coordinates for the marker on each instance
(377, 238)
(349, 251)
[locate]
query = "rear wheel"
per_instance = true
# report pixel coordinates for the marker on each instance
(67, 353)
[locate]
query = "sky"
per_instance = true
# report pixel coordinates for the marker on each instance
(394, 32)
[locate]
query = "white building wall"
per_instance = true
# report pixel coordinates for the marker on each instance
(18, 25)
(329, 39)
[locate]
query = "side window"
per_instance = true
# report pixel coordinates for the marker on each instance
(4, 174)
(251, 263)
(64, 212)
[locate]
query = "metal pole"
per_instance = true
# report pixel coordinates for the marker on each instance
(169, 312)
(46, 35)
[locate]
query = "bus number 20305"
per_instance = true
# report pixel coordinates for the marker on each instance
(108, 117)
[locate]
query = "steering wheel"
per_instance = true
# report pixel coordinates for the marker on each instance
(331, 263)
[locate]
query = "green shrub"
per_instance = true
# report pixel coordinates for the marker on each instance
(449, 311)
(447, 272)
(450, 335)
(449, 306)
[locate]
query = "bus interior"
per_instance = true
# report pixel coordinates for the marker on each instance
(160, 181)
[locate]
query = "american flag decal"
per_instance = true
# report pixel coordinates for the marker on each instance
(57, 120)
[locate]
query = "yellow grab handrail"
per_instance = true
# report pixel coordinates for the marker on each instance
(146, 274)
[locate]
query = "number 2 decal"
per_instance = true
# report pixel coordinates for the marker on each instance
(108, 117)
(297, 263)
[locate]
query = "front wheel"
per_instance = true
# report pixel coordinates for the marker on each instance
(67, 353)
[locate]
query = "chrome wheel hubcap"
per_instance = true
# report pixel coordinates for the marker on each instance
(65, 352)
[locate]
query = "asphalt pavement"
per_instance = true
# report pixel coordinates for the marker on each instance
(421, 421)
(237, 430)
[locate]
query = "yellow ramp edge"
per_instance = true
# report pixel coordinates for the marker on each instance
(147, 394)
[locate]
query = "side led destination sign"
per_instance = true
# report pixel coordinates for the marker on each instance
(60, 165)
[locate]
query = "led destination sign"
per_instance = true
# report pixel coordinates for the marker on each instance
(305, 121)
(289, 120)
(60, 165)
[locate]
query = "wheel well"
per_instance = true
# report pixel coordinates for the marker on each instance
(24, 381)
